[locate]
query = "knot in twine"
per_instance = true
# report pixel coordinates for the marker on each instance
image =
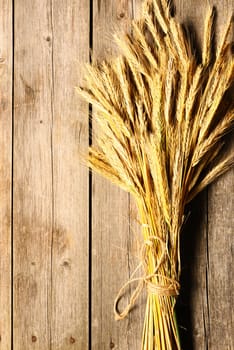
(169, 288)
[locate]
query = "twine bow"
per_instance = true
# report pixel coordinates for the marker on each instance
(170, 287)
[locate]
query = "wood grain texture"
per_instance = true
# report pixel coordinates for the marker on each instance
(5, 171)
(220, 263)
(110, 209)
(70, 134)
(220, 252)
(135, 240)
(50, 184)
(33, 183)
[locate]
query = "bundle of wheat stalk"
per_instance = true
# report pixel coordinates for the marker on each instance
(162, 114)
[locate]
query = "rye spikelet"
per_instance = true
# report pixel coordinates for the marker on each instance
(162, 115)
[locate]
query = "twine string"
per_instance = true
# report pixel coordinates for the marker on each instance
(170, 287)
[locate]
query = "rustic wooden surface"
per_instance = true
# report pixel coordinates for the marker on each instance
(32, 177)
(70, 134)
(50, 190)
(5, 171)
(69, 240)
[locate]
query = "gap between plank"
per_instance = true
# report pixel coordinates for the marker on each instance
(90, 111)
(12, 175)
(49, 302)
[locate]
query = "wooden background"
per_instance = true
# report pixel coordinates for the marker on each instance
(69, 240)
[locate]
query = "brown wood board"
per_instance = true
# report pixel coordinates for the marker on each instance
(6, 67)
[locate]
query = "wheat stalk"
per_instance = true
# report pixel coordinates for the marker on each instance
(162, 115)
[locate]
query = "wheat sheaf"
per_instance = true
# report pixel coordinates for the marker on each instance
(162, 113)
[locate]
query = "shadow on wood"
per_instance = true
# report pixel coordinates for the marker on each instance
(192, 240)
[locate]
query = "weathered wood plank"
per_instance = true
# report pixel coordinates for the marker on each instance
(192, 304)
(220, 228)
(110, 209)
(135, 240)
(70, 264)
(5, 171)
(220, 263)
(33, 185)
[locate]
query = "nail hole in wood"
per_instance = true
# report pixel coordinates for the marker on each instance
(66, 264)
(34, 338)
(72, 340)
(121, 15)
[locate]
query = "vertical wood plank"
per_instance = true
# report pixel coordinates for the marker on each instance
(194, 254)
(110, 208)
(220, 263)
(33, 187)
(135, 240)
(70, 257)
(220, 224)
(5, 171)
